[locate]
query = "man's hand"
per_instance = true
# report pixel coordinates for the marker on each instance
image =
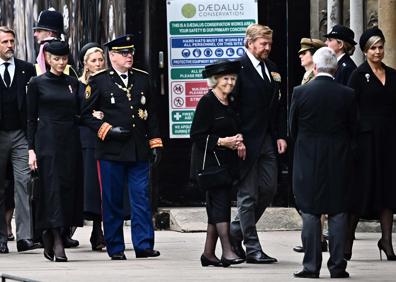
(157, 156)
(282, 145)
(118, 133)
(32, 160)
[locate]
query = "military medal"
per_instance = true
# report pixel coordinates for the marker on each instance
(143, 100)
(70, 89)
(143, 114)
(112, 100)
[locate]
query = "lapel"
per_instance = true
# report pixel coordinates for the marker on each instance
(251, 72)
(20, 83)
(131, 78)
(116, 78)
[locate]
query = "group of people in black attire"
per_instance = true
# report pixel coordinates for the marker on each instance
(89, 141)
(342, 125)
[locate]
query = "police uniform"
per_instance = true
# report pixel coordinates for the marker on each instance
(124, 160)
(345, 65)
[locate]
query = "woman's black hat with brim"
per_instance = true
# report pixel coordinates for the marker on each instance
(221, 67)
(59, 48)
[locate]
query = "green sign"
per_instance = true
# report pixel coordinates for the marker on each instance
(209, 27)
(181, 129)
(182, 116)
(186, 73)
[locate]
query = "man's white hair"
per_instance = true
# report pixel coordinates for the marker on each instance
(325, 60)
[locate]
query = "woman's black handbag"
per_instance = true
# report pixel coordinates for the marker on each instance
(33, 185)
(214, 176)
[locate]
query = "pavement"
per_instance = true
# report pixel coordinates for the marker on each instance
(179, 261)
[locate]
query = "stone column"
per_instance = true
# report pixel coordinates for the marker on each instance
(334, 8)
(356, 24)
(387, 23)
(314, 18)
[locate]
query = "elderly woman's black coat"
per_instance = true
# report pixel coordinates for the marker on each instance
(375, 185)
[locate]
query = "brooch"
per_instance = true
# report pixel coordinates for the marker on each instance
(143, 114)
(87, 92)
(367, 75)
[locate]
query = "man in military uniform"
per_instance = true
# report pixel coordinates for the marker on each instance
(340, 39)
(128, 138)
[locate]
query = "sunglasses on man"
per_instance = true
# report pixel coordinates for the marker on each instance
(125, 52)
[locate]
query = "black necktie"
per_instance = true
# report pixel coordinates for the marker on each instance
(6, 76)
(265, 77)
(124, 76)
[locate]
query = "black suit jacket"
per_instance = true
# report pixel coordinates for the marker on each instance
(322, 123)
(138, 114)
(260, 107)
(23, 72)
(345, 67)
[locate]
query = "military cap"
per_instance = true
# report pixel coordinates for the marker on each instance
(50, 20)
(85, 48)
(221, 67)
(375, 31)
(59, 48)
(310, 44)
(120, 43)
(342, 32)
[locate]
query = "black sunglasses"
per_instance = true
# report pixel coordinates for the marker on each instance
(125, 52)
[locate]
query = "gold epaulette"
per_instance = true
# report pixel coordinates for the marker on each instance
(139, 70)
(98, 72)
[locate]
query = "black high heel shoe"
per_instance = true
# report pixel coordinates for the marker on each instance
(48, 242)
(381, 247)
(206, 262)
(227, 262)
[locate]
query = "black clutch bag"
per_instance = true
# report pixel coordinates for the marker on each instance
(33, 185)
(209, 178)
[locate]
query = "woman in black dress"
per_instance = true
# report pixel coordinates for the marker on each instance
(374, 191)
(92, 59)
(215, 124)
(54, 149)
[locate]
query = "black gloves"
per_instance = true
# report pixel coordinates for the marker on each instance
(157, 155)
(118, 133)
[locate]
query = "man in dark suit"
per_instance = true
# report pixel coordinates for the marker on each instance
(263, 123)
(322, 123)
(15, 76)
(128, 138)
(341, 40)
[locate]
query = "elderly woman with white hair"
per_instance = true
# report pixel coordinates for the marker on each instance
(217, 141)
(374, 192)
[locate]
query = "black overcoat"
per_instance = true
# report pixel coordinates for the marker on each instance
(322, 122)
(375, 186)
(53, 115)
(345, 67)
(260, 107)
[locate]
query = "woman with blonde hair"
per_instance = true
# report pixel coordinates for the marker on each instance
(92, 59)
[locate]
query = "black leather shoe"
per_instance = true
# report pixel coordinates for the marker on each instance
(207, 262)
(69, 242)
(118, 256)
(260, 257)
(3, 248)
(298, 249)
(26, 245)
(227, 262)
(343, 274)
(147, 253)
(238, 249)
(306, 274)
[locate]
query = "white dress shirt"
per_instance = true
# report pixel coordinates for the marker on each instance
(11, 68)
(256, 64)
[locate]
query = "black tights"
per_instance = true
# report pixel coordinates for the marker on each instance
(386, 220)
(219, 230)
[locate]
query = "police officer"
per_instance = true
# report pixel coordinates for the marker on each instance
(49, 27)
(340, 39)
(128, 138)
